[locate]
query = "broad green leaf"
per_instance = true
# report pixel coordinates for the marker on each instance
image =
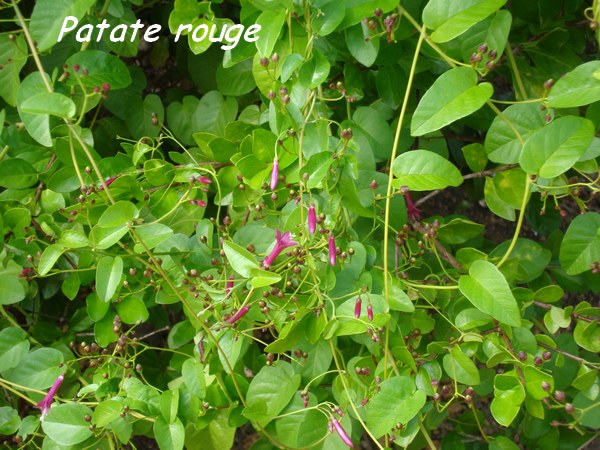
(555, 148)
(505, 137)
(503, 443)
(192, 372)
(391, 84)
(108, 276)
(329, 16)
(508, 397)
(169, 402)
(450, 19)
(151, 235)
(361, 46)
(261, 278)
(579, 87)
(217, 435)
(9, 420)
(460, 367)
(16, 173)
(487, 289)
(48, 17)
(38, 370)
(314, 71)
(241, 260)
(13, 56)
(581, 245)
(118, 214)
(271, 23)
(37, 125)
(132, 310)
(49, 103)
(422, 170)
(454, 95)
(475, 156)
(510, 186)
(587, 335)
(587, 409)
(107, 412)
(263, 400)
(495, 203)
(13, 348)
(74, 238)
(398, 401)
(236, 80)
(492, 31)
(95, 307)
(102, 68)
(299, 427)
(146, 117)
(49, 257)
(103, 238)
(12, 288)
(531, 256)
(66, 425)
(458, 231)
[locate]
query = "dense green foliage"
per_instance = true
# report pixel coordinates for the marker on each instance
(198, 241)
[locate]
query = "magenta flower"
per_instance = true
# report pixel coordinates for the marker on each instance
(275, 174)
(46, 402)
(413, 211)
(370, 312)
(312, 219)
(332, 250)
(204, 180)
(340, 430)
(357, 307)
(238, 315)
(282, 241)
(107, 183)
(229, 286)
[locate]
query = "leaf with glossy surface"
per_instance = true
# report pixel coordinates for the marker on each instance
(398, 401)
(508, 396)
(51, 103)
(108, 276)
(118, 214)
(13, 56)
(581, 245)
(361, 45)
(102, 68)
(454, 95)
(66, 425)
(579, 87)
(13, 348)
(422, 170)
(555, 148)
(460, 367)
(271, 23)
(39, 369)
(241, 260)
(487, 289)
(16, 173)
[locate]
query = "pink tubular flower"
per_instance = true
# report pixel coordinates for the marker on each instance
(340, 430)
(238, 315)
(282, 241)
(275, 174)
(357, 307)
(229, 286)
(107, 183)
(370, 312)
(204, 180)
(312, 219)
(332, 250)
(46, 402)
(413, 211)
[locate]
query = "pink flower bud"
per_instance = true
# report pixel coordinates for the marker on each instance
(275, 174)
(204, 180)
(357, 307)
(107, 183)
(46, 402)
(201, 203)
(340, 430)
(370, 312)
(238, 315)
(312, 219)
(332, 251)
(229, 286)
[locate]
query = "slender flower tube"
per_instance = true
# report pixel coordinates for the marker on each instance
(238, 315)
(357, 307)
(332, 251)
(312, 219)
(275, 174)
(201, 350)
(370, 312)
(282, 241)
(204, 180)
(413, 211)
(107, 183)
(229, 286)
(46, 402)
(340, 430)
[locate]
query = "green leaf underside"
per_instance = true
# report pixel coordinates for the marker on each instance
(422, 170)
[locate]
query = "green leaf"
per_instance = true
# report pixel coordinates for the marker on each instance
(217, 435)
(108, 276)
(37, 125)
(299, 427)
(587, 335)
(95, 307)
(454, 95)
(241, 260)
(458, 231)
(261, 278)
(314, 71)
(49, 258)
(49, 103)
(503, 443)
(450, 19)
(103, 238)
(48, 16)
(581, 245)
(107, 412)
(13, 56)
(508, 396)
(263, 401)
(16, 173)
(236, 80)
(192, 372)
(398, 401)
(66, 425)
(361, 46)
(132, 310)
(143, 115)
(495, 203)
(555, 148)
(328, 18)
(9, 420)
(422, 170)
(38, 370)
(13, 348)
(460, 367)
(531, 256)
(169, 436)
(487, 289)
(579, 87)
(118, 214)
(271, 23)
(151, 235)
(102, 68)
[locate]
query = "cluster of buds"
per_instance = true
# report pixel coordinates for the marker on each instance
(284, 95)
(200, 203)
(366, 371)
(431, 230)
(478, 56)
(304, 396)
